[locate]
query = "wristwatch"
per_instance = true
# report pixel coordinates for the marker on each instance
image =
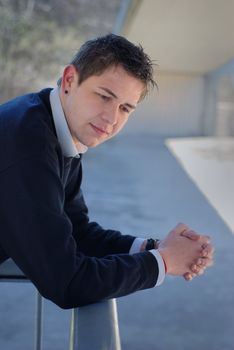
(152, 244)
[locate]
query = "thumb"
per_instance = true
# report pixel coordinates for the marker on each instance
(180, 228)
(191, 235)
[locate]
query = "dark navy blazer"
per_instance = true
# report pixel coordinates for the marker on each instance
(44, 223)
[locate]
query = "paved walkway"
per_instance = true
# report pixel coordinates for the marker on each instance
(144, 192)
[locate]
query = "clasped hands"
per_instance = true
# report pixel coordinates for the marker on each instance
(186, 253)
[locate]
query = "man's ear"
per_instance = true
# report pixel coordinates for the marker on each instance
(69, 78)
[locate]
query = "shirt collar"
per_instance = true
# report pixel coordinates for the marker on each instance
(64, 135)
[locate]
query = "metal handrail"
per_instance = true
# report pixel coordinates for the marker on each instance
(9, 272)
(92, 327)
(38, 322)
(95, 327)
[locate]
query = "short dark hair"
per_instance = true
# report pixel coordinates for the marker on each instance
(96, 55)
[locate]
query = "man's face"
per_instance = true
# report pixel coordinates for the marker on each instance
(98, 108)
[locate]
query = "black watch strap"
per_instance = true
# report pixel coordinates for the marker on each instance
(152, 244)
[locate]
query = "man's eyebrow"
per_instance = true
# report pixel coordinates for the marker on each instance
(113, 95)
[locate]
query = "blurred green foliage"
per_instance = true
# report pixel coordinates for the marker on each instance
(38, 37)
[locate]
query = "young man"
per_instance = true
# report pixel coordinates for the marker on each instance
(44, 221)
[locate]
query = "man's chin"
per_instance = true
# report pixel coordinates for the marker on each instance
(96, 142)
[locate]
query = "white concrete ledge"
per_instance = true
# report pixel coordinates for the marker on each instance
(210, 164)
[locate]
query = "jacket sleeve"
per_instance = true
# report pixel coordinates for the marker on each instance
(91, 238)
(37, 234)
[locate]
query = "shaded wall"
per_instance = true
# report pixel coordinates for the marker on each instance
(177, 108)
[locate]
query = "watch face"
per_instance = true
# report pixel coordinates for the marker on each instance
(150, 244)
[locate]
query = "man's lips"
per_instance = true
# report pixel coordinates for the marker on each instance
(99, 130)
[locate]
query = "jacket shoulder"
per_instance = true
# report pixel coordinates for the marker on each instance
(26, 126)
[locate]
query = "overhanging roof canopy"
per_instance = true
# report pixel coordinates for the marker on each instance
(188, 36)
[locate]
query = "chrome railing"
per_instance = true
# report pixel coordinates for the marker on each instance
(92, 327)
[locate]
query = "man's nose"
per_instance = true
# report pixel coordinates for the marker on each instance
(111, 115)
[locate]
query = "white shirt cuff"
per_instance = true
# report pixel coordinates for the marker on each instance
(136, 247)
(161, 266)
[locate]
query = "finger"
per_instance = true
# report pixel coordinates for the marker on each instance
(188, 276)
(209, 247)
(204, 262)
(205, 239)
(200, 262)
(200, 272)
(207, 250)
(195, 268)
(191, 235)
(208, 263)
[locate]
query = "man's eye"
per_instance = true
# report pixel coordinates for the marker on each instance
(104, 97)
(125, 109)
